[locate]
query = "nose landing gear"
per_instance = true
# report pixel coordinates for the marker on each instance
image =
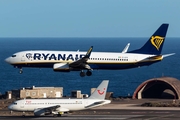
(20, 71)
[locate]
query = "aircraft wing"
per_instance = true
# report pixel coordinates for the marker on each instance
(48, 110)
(82, 63)
(52, 108)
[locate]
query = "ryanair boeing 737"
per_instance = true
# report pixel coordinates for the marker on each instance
(66, 61)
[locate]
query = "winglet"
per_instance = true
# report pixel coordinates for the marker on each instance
(100, 91)
(126, 48)
(89, 52)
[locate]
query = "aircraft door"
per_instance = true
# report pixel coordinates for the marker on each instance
(27, 57)
(85, 103)
(135, 58)
(22, 104)
(23, 58)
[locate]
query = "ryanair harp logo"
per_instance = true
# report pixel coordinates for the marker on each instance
(157, 41)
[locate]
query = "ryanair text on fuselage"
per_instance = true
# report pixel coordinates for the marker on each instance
(48, 56)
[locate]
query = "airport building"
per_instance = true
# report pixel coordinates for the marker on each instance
(77, 94)
(35, 92)
(156, 88)
(47, 92)
(41, 92)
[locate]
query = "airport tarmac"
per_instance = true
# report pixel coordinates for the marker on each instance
(113, 111)
(110, 115)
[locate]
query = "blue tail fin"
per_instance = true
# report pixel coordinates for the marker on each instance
(155, 43)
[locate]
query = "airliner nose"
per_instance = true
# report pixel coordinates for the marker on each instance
(7, 60)
(10, 107)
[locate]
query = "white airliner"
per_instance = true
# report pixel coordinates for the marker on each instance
(66, 61)
(57, 107)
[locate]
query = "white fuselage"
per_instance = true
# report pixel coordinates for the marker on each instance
(65, 104)
(97, 60)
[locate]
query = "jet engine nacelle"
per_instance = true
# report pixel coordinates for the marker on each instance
(41, 112)
(62, 67)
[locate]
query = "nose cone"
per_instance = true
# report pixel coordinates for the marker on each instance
(7, 60)
(10, 107)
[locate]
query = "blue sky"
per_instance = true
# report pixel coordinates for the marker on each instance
(87, 18)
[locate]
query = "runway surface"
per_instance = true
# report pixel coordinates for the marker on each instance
(111, 111)
(108, 115)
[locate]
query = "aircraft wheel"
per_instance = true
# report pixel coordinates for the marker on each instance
(82, 74)
(20, 71)
(88, 73)
(55, 115)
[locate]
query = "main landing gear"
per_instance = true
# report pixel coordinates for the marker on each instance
(88, 73)
(20, 71)
(57, 115)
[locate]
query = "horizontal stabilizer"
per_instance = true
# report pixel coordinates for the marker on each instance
(94, 104)
(167, 55)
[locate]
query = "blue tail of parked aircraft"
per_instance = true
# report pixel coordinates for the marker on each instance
(155, 43)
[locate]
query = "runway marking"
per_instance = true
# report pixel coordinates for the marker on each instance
(89, 117)
(163, 116)
(141, 112)
(138, 112)
(162, 112)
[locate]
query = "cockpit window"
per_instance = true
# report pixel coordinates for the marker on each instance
(15, 103)
(13, 55)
